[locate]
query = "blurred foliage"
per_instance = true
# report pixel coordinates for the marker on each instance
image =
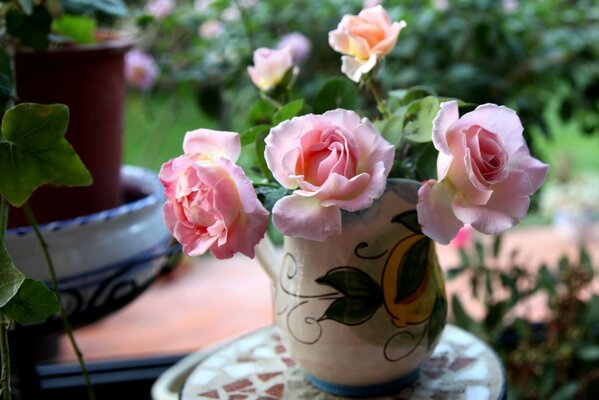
(476, 50)
(557, 358)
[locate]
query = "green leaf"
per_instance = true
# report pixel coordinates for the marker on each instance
(437, 321)
(392, 130)
(480, 252)
(413, 269)
(115, 8)
(497, 245)
(352, 310)
(403, 97)
(249, 135)
(27, 6)
(288, 111)
(566, 392)
(588, 353)
(260, 148)
(78, 28)
(33, 152)
(34, 302)
(409, 219)
(495, 314)
(419, 126)
(5, 91)
(268, 196)
(352, 282)
(336, 93)
(462, 319)
(11, 278)
(31, 30)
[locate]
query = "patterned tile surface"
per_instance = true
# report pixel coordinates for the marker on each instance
(258, 366)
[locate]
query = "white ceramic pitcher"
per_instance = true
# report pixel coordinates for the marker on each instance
(362, 310)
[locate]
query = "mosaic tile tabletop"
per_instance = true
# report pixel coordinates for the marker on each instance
(258, 366)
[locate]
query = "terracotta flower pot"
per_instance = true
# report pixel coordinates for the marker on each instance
(90, 81)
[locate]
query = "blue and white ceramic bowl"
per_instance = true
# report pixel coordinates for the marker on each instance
(103, 260)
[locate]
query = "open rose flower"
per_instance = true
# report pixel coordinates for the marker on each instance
(485, 173)
(364, 39)
(331, 162)
(210, 203)
(270, 67)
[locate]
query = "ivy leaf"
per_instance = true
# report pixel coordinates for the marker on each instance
(11, 278)
(34, 302)
(288, 111)
(409, 219)
(336, 93)
(78, 28)
(392, 130)
(352, 310)
(412, 272)
(351, 282)
(437, 320)
(33, 152)
(31, 30)
(403, 97)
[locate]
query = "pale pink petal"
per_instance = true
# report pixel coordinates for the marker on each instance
(339, 41)
(243, 236)
(355, 194)
(376, 14)
(534, 169)
(447, 115)
(305, 218)
(435, 214)
(210, 143)
(354, 68)
(497, 119)
(507, 207)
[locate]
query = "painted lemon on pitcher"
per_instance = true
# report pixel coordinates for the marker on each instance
(412, 281)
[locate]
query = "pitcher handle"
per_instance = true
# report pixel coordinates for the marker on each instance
(268, 257)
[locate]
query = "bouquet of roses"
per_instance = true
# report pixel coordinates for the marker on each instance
(313, 166)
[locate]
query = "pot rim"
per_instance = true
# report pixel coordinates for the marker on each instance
(134, 177)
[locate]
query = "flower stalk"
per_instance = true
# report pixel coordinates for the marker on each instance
(380, 103)
(68, 329)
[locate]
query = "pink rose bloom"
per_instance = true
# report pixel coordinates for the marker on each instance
(270, 66)
(299, 45)
(141, 70)
(364, 39)
(210, 203)
(485, 170)
(331, 162)
(463, 238)
(160, 8)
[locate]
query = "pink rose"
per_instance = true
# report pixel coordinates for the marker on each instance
(299, 45)
(331, 162)
(160, 8)
(364, 39)
(210, 203)
(270, 66)
(141, 70)
(485, 170)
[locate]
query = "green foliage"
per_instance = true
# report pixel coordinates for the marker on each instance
(34, 302)
(31, 30)
(79, 28)
(557, 359)
(11, 278)
(33, 152)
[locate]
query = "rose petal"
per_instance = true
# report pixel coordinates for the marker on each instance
(305, 218)
(505, 208)
(435, 213)
(535, 170)
(447, 115)
(354, 68)
(497, 119)
(208, 143)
